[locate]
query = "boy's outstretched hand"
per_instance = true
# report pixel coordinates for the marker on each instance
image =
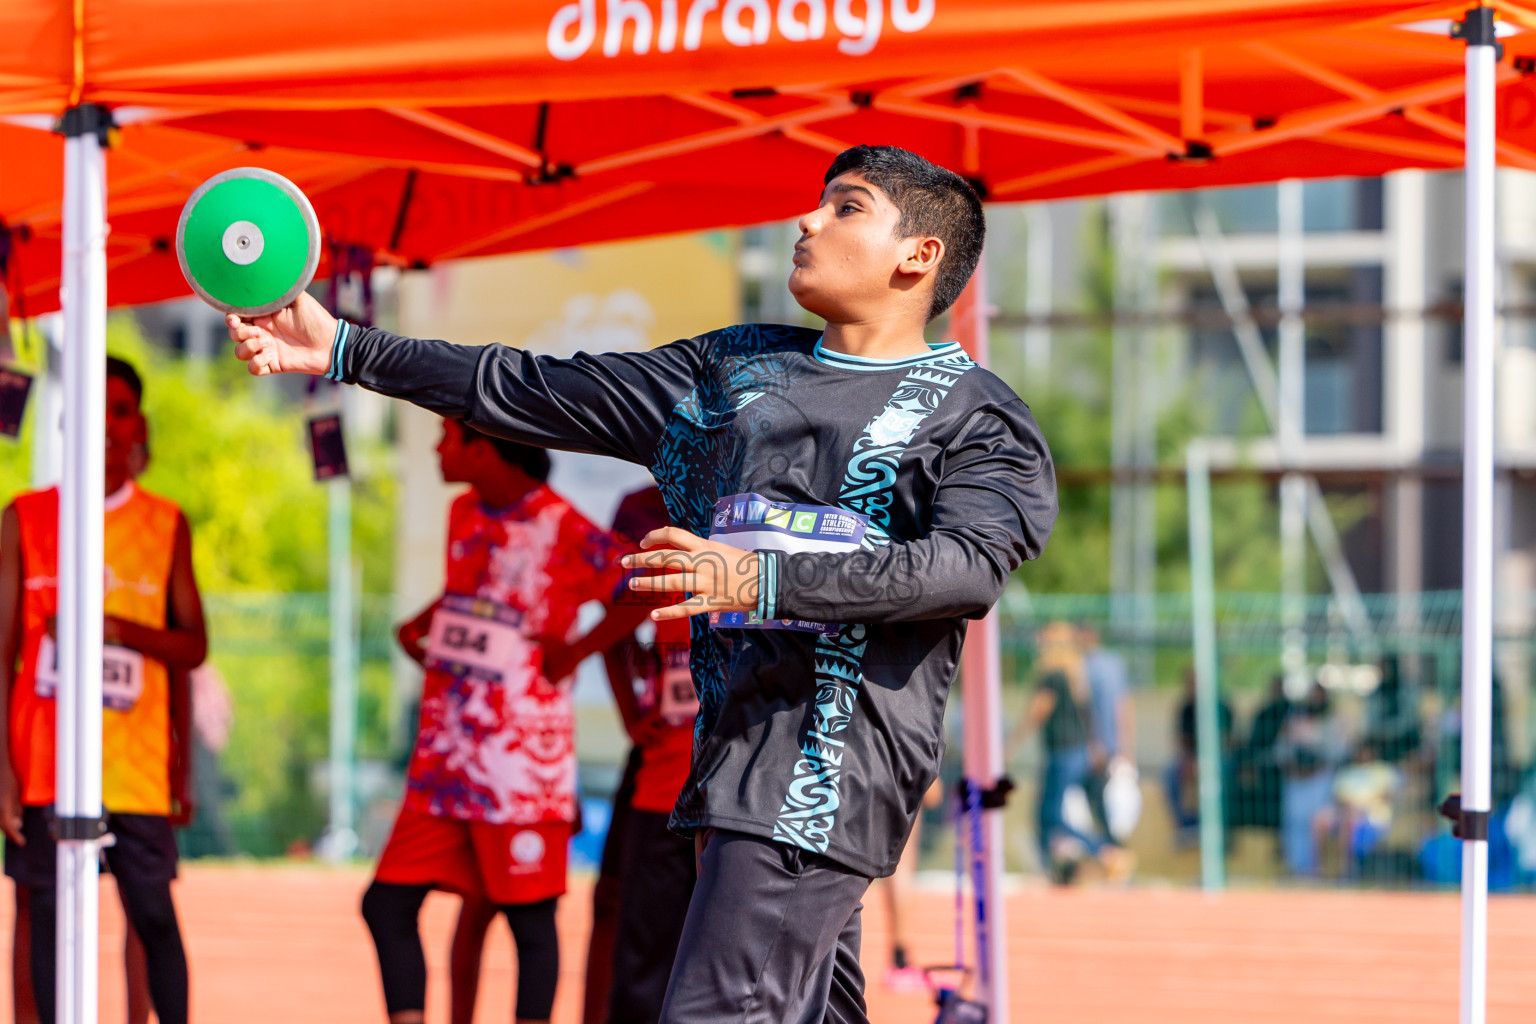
(720, 578)
(296, 339)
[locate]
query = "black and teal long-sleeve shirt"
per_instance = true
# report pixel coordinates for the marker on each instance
(826, 742)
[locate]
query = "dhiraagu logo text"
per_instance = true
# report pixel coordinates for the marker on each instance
(576, 26)
(803, 522)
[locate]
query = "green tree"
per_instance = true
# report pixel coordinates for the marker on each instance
(232, 450)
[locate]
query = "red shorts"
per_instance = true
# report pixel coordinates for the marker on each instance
(503, 863)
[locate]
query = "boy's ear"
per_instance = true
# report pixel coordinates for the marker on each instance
(923, 255)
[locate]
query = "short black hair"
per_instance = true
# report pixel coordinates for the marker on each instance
(933, 201)
(123, 370)
(531, 460)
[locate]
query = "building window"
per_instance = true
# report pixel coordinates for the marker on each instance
(1344, 363)
(1329, 205)
(1343, 382)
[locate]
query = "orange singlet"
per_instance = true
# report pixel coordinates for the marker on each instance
(140, 545)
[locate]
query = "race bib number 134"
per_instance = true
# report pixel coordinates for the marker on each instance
(479, 639)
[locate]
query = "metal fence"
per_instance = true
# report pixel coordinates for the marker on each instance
(1334, 785)
(1328, 777)
(262, 792)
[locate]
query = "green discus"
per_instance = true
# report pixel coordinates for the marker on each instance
(248, 241)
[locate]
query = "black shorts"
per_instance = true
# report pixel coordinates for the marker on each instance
(653, 904)
(772, 936)
(144, 849)
(613, 844)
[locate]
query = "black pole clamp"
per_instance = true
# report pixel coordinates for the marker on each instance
(1468, 826)
(78, 829)
(1479, 29)
(991, 799)
(87, 119)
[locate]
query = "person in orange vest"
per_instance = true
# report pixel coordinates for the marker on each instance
(136, 974)
(153, 623)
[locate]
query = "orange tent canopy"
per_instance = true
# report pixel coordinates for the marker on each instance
(429, 132)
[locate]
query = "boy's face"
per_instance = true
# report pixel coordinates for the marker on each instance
(457, 459)
(125, 428)
(851, 266)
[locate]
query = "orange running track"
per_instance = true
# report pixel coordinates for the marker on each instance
(285, 943)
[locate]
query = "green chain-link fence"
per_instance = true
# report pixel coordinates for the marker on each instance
(1332, 779)
(1337, 785)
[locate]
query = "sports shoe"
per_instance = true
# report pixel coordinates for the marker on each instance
(906, 980)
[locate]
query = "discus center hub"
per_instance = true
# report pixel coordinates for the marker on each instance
(243, 242)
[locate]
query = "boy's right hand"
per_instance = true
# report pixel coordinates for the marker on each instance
(296, 339)
(10, 807)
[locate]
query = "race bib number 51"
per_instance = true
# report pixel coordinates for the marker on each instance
(478, 639)
(122, 675)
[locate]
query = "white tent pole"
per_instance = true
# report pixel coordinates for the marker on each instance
(1477, 516)
(1202, 602)
(81, 582)
(1290, 428)
(981, 697)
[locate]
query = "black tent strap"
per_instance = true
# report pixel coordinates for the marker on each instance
(1465, 825)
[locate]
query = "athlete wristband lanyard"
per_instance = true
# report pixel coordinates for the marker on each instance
(965, 789)
(953, 1008)
(338, 350)
(978, 881)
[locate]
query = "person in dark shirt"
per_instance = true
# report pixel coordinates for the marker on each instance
(1257, 800)
(1392, 725)
(915, 481)
(640, 900)
(1181, 779)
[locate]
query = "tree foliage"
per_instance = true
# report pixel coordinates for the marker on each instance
(232, 450)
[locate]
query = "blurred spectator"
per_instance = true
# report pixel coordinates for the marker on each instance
(1364, 792)
(213, 716)
(1256, 800)
(1113, 737)
(1505, 772)
(1181, 779)
(1391, 715)
(1309, 749)
(1062, 710)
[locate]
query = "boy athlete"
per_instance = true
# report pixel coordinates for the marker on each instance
(813, 750)
(136, 981)
(154, 624)
(491, 789)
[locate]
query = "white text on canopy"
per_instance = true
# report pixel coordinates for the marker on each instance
(576, 26)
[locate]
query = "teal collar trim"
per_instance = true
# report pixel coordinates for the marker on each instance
(851, 362)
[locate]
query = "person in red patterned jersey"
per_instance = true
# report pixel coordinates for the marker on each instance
(490, 798)
(641, 896)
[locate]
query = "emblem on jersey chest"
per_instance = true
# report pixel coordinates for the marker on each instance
(894, 426)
